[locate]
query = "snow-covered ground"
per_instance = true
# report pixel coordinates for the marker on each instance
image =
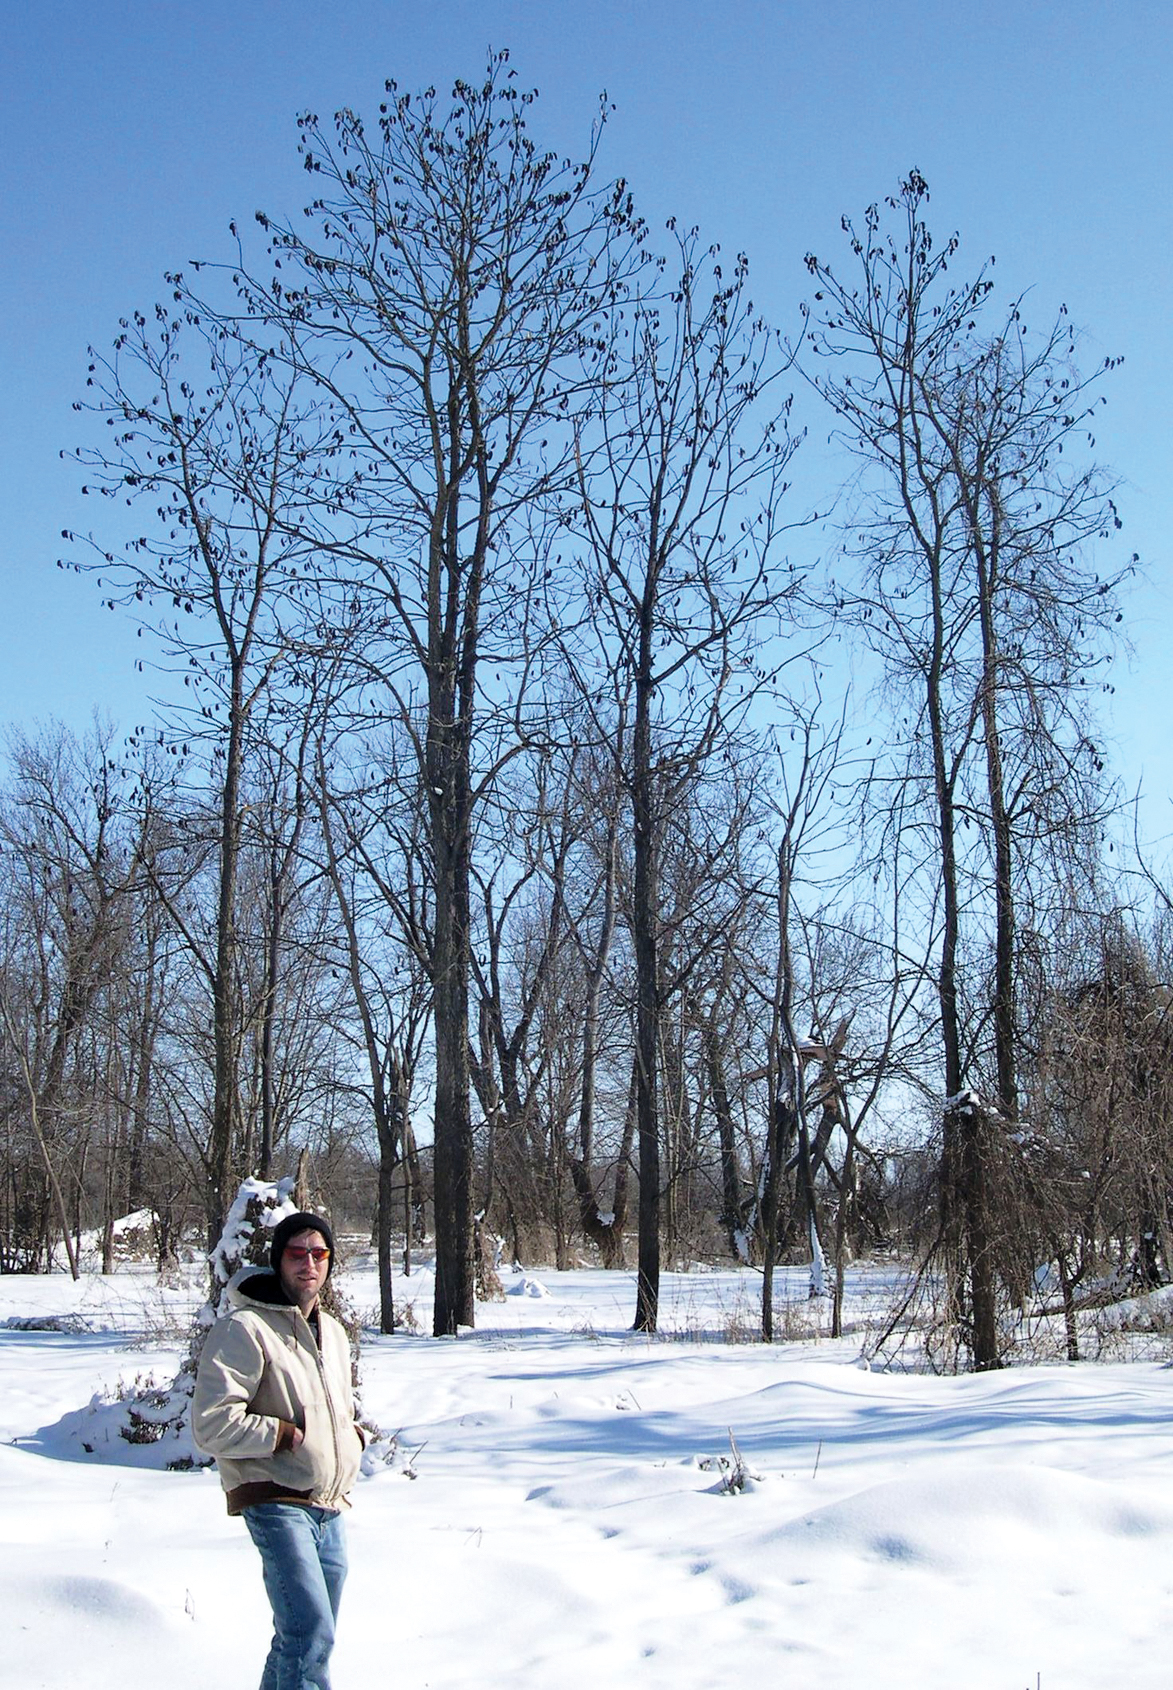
(568, 1526)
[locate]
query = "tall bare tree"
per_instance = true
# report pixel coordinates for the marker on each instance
(979, 591)
(682, 470)
(207, 435)
(442, 295)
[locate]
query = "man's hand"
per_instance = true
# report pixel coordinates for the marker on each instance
(289, 1436)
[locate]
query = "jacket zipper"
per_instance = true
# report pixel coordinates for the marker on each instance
(329, 1396)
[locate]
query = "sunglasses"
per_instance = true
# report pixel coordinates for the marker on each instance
(299, 1253)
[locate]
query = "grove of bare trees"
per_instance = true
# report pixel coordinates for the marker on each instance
(503, 840)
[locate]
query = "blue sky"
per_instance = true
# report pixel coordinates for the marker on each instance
(133, 132)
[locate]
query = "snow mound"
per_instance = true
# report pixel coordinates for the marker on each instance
(525, 1286)
(146, 1425)
(963, 1518)
(103, 1632)
(100, 1600)
(71, 1324)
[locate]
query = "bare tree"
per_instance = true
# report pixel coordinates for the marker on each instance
(207, 434)
(73, 883)
(373, 870)
(978, 593)
(682, 471)
(788, 1130)
(442, 296)
(593, 923)
(521, 931)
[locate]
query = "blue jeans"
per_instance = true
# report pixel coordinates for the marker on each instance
(303, 1559)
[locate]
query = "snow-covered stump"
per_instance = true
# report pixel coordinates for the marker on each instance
(488, 1250)
(817, 1286)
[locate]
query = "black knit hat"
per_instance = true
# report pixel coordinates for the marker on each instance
(290, 1227)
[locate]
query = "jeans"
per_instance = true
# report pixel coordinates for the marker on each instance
(303, 1559)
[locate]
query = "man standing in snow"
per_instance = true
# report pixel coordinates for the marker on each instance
(273, 1404)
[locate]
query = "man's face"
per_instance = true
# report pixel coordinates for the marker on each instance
(301, 1276)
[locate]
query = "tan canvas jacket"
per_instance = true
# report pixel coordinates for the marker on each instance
(261, 1366)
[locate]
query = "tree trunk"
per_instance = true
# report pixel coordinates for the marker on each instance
(385, 1221)
(647, 1057)
(781, 1131)
(731, 1216)
(455, 1281)
(970, 1126)
(225, 1106)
